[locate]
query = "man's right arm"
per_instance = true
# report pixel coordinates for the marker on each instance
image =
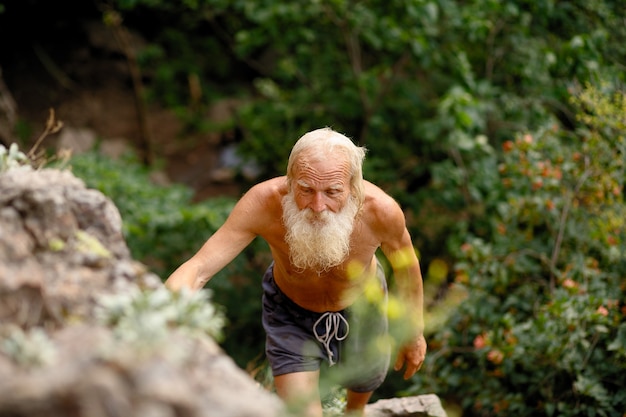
(222, 247)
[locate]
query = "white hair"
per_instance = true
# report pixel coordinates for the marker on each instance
(321, 143)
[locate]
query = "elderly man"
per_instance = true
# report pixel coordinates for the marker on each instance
(325, 291)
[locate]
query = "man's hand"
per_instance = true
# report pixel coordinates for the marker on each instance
(412, 355)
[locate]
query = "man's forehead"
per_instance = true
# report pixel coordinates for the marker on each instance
(323, 172)
(323, 164)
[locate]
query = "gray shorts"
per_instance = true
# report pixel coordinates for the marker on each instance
(355, 339)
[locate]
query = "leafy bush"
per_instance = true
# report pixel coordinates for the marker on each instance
(542, 331)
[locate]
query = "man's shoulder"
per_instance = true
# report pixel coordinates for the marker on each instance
(260, 205)
(277, 182)
(268, 191)
(377, 196)
(379, 206)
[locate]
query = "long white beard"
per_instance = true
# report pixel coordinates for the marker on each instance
(318, 241)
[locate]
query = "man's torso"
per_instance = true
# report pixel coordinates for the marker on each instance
(331, 290)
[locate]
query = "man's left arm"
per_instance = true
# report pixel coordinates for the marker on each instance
(409, 284)
(398, 248)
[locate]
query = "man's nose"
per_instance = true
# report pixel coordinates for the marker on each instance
(318, 204)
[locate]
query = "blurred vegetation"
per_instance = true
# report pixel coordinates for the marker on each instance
(497, 124)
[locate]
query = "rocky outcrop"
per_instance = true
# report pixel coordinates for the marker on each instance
(64, 348)
(61, 246)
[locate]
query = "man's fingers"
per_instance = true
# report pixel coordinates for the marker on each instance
(410, 371)
(412, 358)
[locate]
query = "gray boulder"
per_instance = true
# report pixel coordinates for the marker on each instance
(63, 259)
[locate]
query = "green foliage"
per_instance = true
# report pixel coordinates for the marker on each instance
(542, 328)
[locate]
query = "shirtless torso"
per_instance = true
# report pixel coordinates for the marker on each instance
(335, 289)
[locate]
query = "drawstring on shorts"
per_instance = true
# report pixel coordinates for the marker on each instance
(333, 326)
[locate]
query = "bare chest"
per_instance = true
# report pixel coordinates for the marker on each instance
(322, 291)
(332, 290)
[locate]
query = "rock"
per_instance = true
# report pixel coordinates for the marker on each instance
(62, 255)
(421, 405)
(61, 245)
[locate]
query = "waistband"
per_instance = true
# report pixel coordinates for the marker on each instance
(281, 297)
